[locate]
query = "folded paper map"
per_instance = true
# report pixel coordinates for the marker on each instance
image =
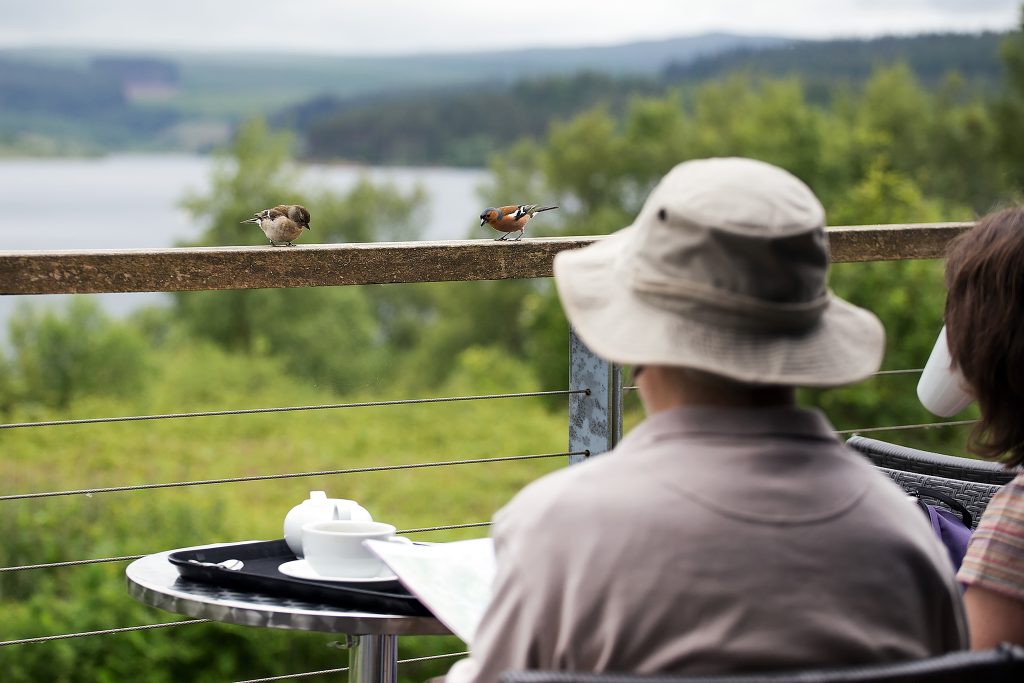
(452, 580)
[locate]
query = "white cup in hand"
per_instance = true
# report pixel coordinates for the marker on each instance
(335, 548)
(941, 389)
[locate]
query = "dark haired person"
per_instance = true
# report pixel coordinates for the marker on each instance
(730, 530)
(985, 334)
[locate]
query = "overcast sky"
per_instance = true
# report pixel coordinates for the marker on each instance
(403, 26)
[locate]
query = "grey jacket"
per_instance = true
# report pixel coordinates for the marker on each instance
(715, 540)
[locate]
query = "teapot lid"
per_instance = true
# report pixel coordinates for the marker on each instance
(318, 495)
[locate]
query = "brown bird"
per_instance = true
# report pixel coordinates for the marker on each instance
(509, 219)
(282, 224)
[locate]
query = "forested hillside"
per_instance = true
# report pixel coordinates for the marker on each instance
(463, 126)
(67, 100)
(423, 109)
(931, 57)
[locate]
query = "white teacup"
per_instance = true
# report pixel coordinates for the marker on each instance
(941, 388)
(335, 548)
(319, 508)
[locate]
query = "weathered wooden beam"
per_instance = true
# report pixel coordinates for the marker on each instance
(892, 242)
(318, 265)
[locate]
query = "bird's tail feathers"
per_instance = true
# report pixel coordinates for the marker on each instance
(545, 208)
(255, 219)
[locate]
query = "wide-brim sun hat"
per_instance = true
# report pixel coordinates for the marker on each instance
(724, 270)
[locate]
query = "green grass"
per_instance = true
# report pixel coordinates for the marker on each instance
(43, 602)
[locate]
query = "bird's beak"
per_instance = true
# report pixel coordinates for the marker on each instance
(483, 220)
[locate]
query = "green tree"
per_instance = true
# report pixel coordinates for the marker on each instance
(8, 386)
(944, 141)
(884, 196)
(337, 337)
(964, 163)
(1008, 109)
(767, 120)
(900, 113)
(61, 355)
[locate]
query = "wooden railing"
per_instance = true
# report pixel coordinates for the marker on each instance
(319, 265)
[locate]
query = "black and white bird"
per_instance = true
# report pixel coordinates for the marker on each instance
(282, 224)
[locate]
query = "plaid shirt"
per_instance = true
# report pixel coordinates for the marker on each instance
(995, 556)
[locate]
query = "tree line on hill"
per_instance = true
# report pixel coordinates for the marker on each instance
(450, 110)
(462, 126)
(931, 57)
(79, 108)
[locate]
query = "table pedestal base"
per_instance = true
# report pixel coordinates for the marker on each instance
(373, 659)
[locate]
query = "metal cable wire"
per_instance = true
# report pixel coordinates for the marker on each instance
(130, 558)
(104, 632)
(431, 657)
(893, 428)
(290, 475)
(69, 563)
(285, 409)
(308, 674)
(913, 371)
(446, 527)
(880, 373)
(288, 677)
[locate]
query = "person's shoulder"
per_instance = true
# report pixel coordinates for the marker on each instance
(1006, 508)
(883, 511)
(561, 485)
(995, 556)
(1014, 489)
(563, 495)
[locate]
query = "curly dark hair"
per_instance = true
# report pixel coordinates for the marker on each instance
(985, 329)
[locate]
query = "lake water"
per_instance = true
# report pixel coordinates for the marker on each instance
(132, 201)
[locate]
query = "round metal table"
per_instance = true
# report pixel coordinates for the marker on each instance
(373, 642)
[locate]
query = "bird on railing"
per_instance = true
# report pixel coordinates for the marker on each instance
(282, 224)
(509, 219)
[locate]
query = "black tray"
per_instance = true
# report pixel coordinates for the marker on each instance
(259, 573)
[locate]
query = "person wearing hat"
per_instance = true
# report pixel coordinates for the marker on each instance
(730, 530)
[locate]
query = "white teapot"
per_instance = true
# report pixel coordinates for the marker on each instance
(319, 508)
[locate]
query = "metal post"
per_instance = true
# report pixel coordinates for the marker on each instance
(595, 417)
(373, 659)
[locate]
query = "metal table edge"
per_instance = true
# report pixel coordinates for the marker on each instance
(154, 581)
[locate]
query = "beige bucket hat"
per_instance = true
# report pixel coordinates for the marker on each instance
(723, 270)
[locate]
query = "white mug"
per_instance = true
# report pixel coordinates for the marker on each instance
(335, 548)
(941, 389)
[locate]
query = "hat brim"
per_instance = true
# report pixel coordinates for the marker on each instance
(846, 345)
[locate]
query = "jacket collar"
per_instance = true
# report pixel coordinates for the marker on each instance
(792, 422)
